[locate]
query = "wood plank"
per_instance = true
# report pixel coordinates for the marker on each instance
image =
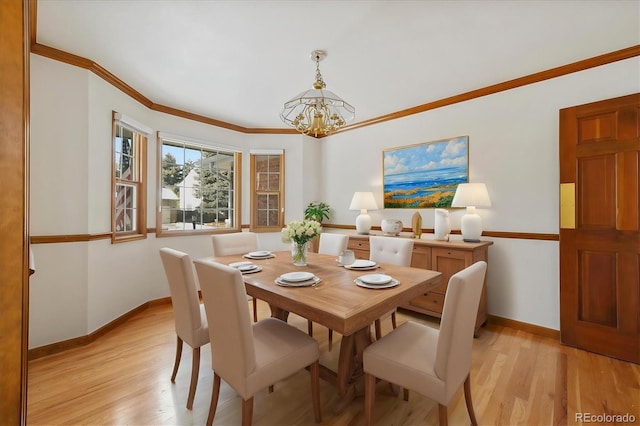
(124, 378)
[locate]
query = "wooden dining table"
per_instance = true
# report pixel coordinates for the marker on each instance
(336, 302)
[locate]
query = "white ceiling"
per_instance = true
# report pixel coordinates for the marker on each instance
(239, 61)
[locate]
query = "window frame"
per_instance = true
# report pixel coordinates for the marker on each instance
(139, 143)
(187, 142)
(253, 225)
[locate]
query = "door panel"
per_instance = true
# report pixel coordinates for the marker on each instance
(597, 294)
(596, 192)
(600, 249)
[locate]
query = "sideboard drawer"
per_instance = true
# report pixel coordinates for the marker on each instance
(431, 301)
(360, 247)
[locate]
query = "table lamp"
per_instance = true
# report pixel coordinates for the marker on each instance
(471, 195)
(363, 201)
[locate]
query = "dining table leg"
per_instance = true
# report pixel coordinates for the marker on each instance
(279, 313)
(350, 378)
(350, 375)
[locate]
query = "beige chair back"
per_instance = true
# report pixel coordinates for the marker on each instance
(225, 299)
(235, 243)
(184, 295)
(392, 250)
(332, 244)
(453, 356)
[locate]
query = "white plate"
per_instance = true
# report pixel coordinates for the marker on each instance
(393, 283)
(246, 268)
(375, 279)
(260, 253)
(253, 270)
(308, 283)
(239, 265)
(296, 276)
(362, 264)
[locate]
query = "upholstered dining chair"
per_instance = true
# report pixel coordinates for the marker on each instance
(393, 250)
(434, 363)
(189, 316)
(237, 243)
(250, 357)
(332, 244)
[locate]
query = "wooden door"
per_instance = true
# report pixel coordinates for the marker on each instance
(600, 227)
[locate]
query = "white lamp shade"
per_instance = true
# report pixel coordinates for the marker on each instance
(471, 195)
(363, 201)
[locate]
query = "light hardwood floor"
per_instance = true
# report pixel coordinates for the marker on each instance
(517, 378)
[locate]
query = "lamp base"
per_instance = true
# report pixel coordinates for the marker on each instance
(471, 226)
(363, 224)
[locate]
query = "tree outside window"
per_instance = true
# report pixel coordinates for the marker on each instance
(200, 189)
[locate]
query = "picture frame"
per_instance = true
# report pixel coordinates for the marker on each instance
(424, 175)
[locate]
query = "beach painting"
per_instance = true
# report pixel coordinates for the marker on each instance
(425, 175)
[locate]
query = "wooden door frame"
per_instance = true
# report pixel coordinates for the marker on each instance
(14, 167)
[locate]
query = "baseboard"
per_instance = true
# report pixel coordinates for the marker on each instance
(77, 342)
(523, 326)
(80, 341)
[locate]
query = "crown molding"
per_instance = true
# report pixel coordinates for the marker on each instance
(62, 56)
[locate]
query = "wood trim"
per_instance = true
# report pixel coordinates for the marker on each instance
(33, 22)
(523, 326)
(521, 235)
(76, 238)
(570, 68)
(71, 238)
(97, 69)
(77, 342)
(14, 163)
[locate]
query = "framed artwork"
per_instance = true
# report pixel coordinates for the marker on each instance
(424, 175)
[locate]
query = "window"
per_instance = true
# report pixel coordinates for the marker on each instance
(128, 204)
(267, 191)
(200, 187)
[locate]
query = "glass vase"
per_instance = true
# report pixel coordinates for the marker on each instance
(299, 253)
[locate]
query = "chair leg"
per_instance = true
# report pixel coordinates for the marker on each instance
(271, 389)
(393, 320)
(405, 394)
(214, 399)
(442, 415)
(247, 411)
(467, 398)
(330, 339)
(255, 309)
(369, 397)
(315, 390)
(378, 329)
(310, 328)
(195, 370)
(176, 363)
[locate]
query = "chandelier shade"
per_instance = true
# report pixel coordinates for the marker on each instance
(317, 112)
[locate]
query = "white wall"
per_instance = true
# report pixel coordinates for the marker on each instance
(513, 148)
(79, 287)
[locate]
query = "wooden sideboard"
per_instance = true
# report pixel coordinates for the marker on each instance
(447, 257)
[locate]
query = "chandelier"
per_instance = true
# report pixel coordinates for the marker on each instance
(317, 112)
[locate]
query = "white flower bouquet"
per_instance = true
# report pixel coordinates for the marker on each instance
(301, 232)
